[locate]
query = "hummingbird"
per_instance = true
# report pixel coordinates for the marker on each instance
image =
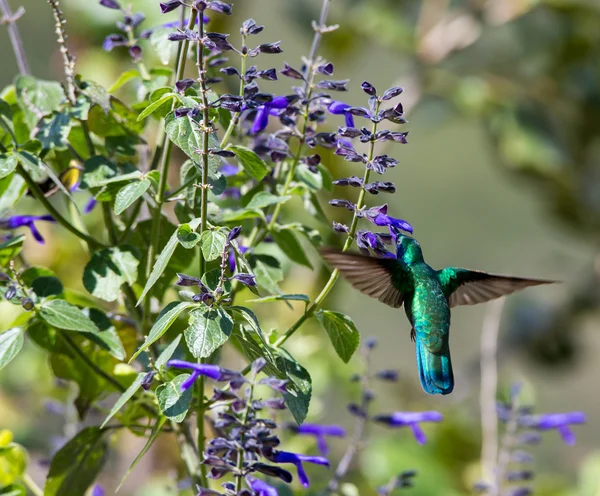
(427, 295)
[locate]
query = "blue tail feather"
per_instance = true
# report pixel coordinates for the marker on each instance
(435, 369)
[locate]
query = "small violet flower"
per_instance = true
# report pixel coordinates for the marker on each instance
(97, 490)
(379, 217)
(412, 419)
(212, 371)
(260, 487)
(297, 459)
(274, 107)
(320, 432)
(558, 421)
(17, 221)
(340, 108)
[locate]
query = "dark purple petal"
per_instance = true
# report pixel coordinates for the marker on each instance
(249, 26)
(221, 7)
(392, 92)
(147, 380)
(278, 385)
(110, 4)
(184, 84)
(220, 41)
(260, 488)
(261, 120)
(246, 279)
(326, 69)
(268, 74)
(343, 203)
(368, 88)
(114, 40)
(333, 85)
(166, 7)
(270, 47)
(135, 52)
(290, 72)
(234, 233)
(341, 228)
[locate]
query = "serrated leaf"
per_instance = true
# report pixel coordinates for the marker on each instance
(187, 237)
(109, 269)
(268, 272)
(129, 194)
(263, 199)
(213, 243)
(342, 332)
(11, 342)
(165, 320)
(97, 170)
(155, 105)
(163, 260)
(254, 166)
(77, 464)
(289, 244)
(45, 286)
(37, 98)
(124, 79)
(172, 401)
(12, 189)
(167, 353)
(208, 329)
(125, 397)
(61, 314)
(53, 131)
(8, 163)
(97, 94)
(10, 249)
(153, 435)
(107, 337)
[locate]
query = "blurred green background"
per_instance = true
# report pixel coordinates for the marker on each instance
(501, 173)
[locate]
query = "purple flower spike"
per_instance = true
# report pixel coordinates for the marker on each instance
(213, 371)
(412, 419)
(558, 421)
(260, 488)
(17, 221)
(297, 459)
(320, 432)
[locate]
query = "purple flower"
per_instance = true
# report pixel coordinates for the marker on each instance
(340, 108)
(319, 432)
(297, 459)
(379, 217)
(231, 261)
(558, 421)
(110, 4)
(213, 371)
(261, 119)
(229, 170)
(17, 221)
(97, 490)
(169, 6)
(412, 419)
(89, 206)
(246, 279)
(260, 488)
(114, 40)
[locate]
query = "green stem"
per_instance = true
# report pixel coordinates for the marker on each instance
(110, 225)
(38, 195)
(130, 221)
(240, 456)
(349, 240)
(31, 485)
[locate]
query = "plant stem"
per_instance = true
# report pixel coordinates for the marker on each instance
(349, 240)
(68, 59)
(240, 455)
(206, 129)
(236, 118)
(31, 485)
(15, 37)
(165, 147)
(37, 193)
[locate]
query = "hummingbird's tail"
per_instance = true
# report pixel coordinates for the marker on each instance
(435, 369)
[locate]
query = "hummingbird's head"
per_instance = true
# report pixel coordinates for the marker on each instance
(408, 249)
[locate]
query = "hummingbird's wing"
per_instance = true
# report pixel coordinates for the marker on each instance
(469, 287)
(380, 278)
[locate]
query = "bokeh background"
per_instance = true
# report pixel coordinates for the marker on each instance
(501, 173)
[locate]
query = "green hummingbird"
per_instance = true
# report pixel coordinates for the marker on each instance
(427, 295)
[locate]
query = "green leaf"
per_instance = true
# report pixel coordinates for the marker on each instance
(263, 199)
(167, 353)
(289, 244)
(213, 243)
(284, 297)
(109, 269)
(185, 133)
(97, 170)
(53, 131)
(11, 342)
(341, 331)
(77, 464)
(61, 314)
(299, 390)
(125, 397)
(12, 189)
(153, 435)
(208, 329)
(268, 272)
(124, 79)
(13, 490)
(37, 98)
(165, 320)
(254, 166)
(155, 105)
(187, 237)
(172, 401)
(129, 194)
(164, 48)
(13, 462)
(107, 338)
(45, 286)
(8, 163)
(97, 94)
(10, 249)
(163, 259)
